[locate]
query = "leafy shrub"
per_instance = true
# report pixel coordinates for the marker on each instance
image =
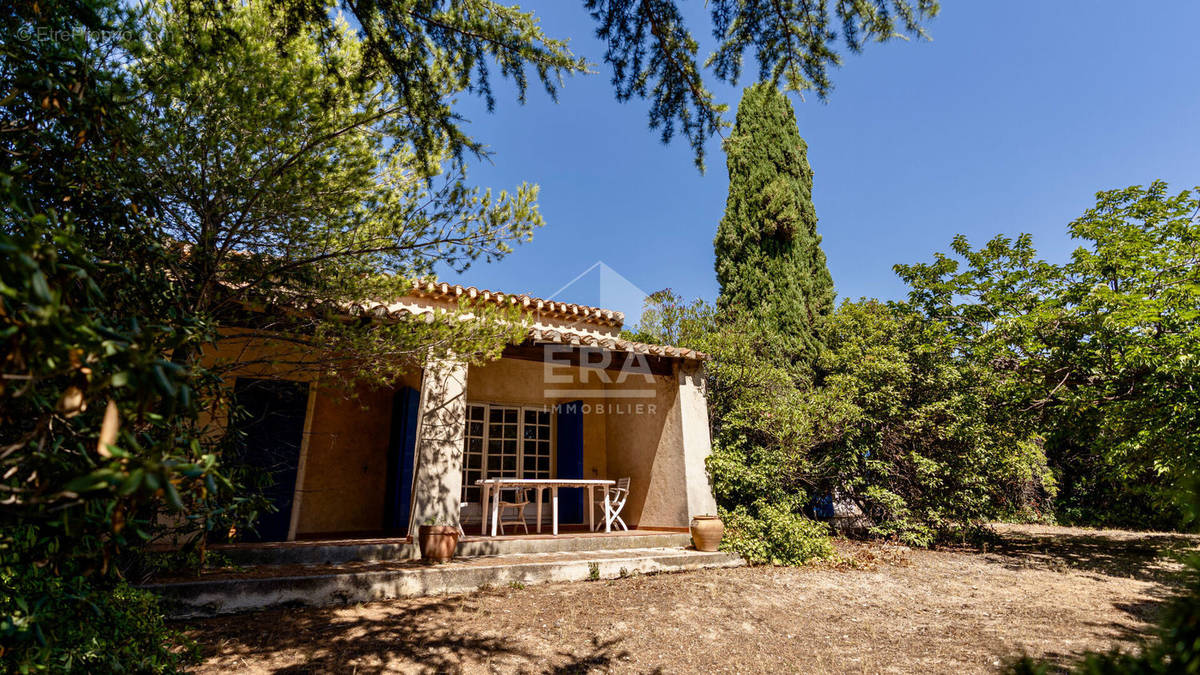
(1097, 355)
(775, 534)
(889, 420)
(920, 450)
(72, 623)
(98, 442)
(765, 416)
(1099, 495)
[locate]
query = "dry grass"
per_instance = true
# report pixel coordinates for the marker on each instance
(1052, 592)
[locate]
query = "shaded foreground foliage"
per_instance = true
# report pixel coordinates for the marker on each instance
(136, 233)
(96, 443)
(96, 422)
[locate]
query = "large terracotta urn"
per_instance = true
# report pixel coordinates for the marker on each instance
(706, 532)
(437, 542)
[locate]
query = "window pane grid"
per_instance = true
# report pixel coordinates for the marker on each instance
(473, 456)
(505, 442)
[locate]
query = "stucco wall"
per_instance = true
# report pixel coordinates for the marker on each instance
(345, 470)
(697, 441)
(344, 467)
(437, 483)
(645, 443)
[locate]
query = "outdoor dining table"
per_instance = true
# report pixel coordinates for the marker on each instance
(493, 486)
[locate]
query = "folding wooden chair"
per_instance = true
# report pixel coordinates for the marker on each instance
(616, 502)
(519, 501)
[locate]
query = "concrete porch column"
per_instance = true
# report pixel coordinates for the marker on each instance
(437, 485)
(697, 445)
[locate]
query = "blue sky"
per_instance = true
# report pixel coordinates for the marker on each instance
(1008, 121)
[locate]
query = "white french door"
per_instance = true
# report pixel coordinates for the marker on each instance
(506, 442)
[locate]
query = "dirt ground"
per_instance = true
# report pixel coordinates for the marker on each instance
(1048, 591)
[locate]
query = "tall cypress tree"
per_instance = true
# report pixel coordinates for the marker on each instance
(769, 257)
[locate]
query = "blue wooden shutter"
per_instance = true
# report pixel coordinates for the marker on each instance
(570, 460)
(402, 449)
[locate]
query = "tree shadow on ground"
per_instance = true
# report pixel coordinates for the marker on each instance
(1152, 557)
(602, 657)
(1124, 636)
(421, 636)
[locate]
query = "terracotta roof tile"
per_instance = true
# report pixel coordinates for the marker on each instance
(553, 308)
(593, 315)
(616, 344)
(572, 338)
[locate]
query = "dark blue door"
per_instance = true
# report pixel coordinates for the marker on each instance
(269, 414)
(570, 460)
(401, 456)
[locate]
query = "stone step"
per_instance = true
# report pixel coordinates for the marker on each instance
(346, 551)
(320, 585)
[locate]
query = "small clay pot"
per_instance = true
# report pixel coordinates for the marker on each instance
(706, 532)
(437, 542)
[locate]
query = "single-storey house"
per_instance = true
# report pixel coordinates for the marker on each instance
(572, 400)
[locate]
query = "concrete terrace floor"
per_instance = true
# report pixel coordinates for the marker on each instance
(1048, 591)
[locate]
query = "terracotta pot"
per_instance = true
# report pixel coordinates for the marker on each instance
(437, 542)
(706, 532)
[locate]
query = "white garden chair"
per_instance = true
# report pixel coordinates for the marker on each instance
(616, 502)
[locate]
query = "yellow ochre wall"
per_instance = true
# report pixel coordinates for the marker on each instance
(646, 447)
(344, 481)
(343, 462)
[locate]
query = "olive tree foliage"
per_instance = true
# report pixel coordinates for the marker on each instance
(1098, 354)
(651, 52)
(288, 178)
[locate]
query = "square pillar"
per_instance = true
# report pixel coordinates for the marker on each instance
(437, 485)
(697, 444)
